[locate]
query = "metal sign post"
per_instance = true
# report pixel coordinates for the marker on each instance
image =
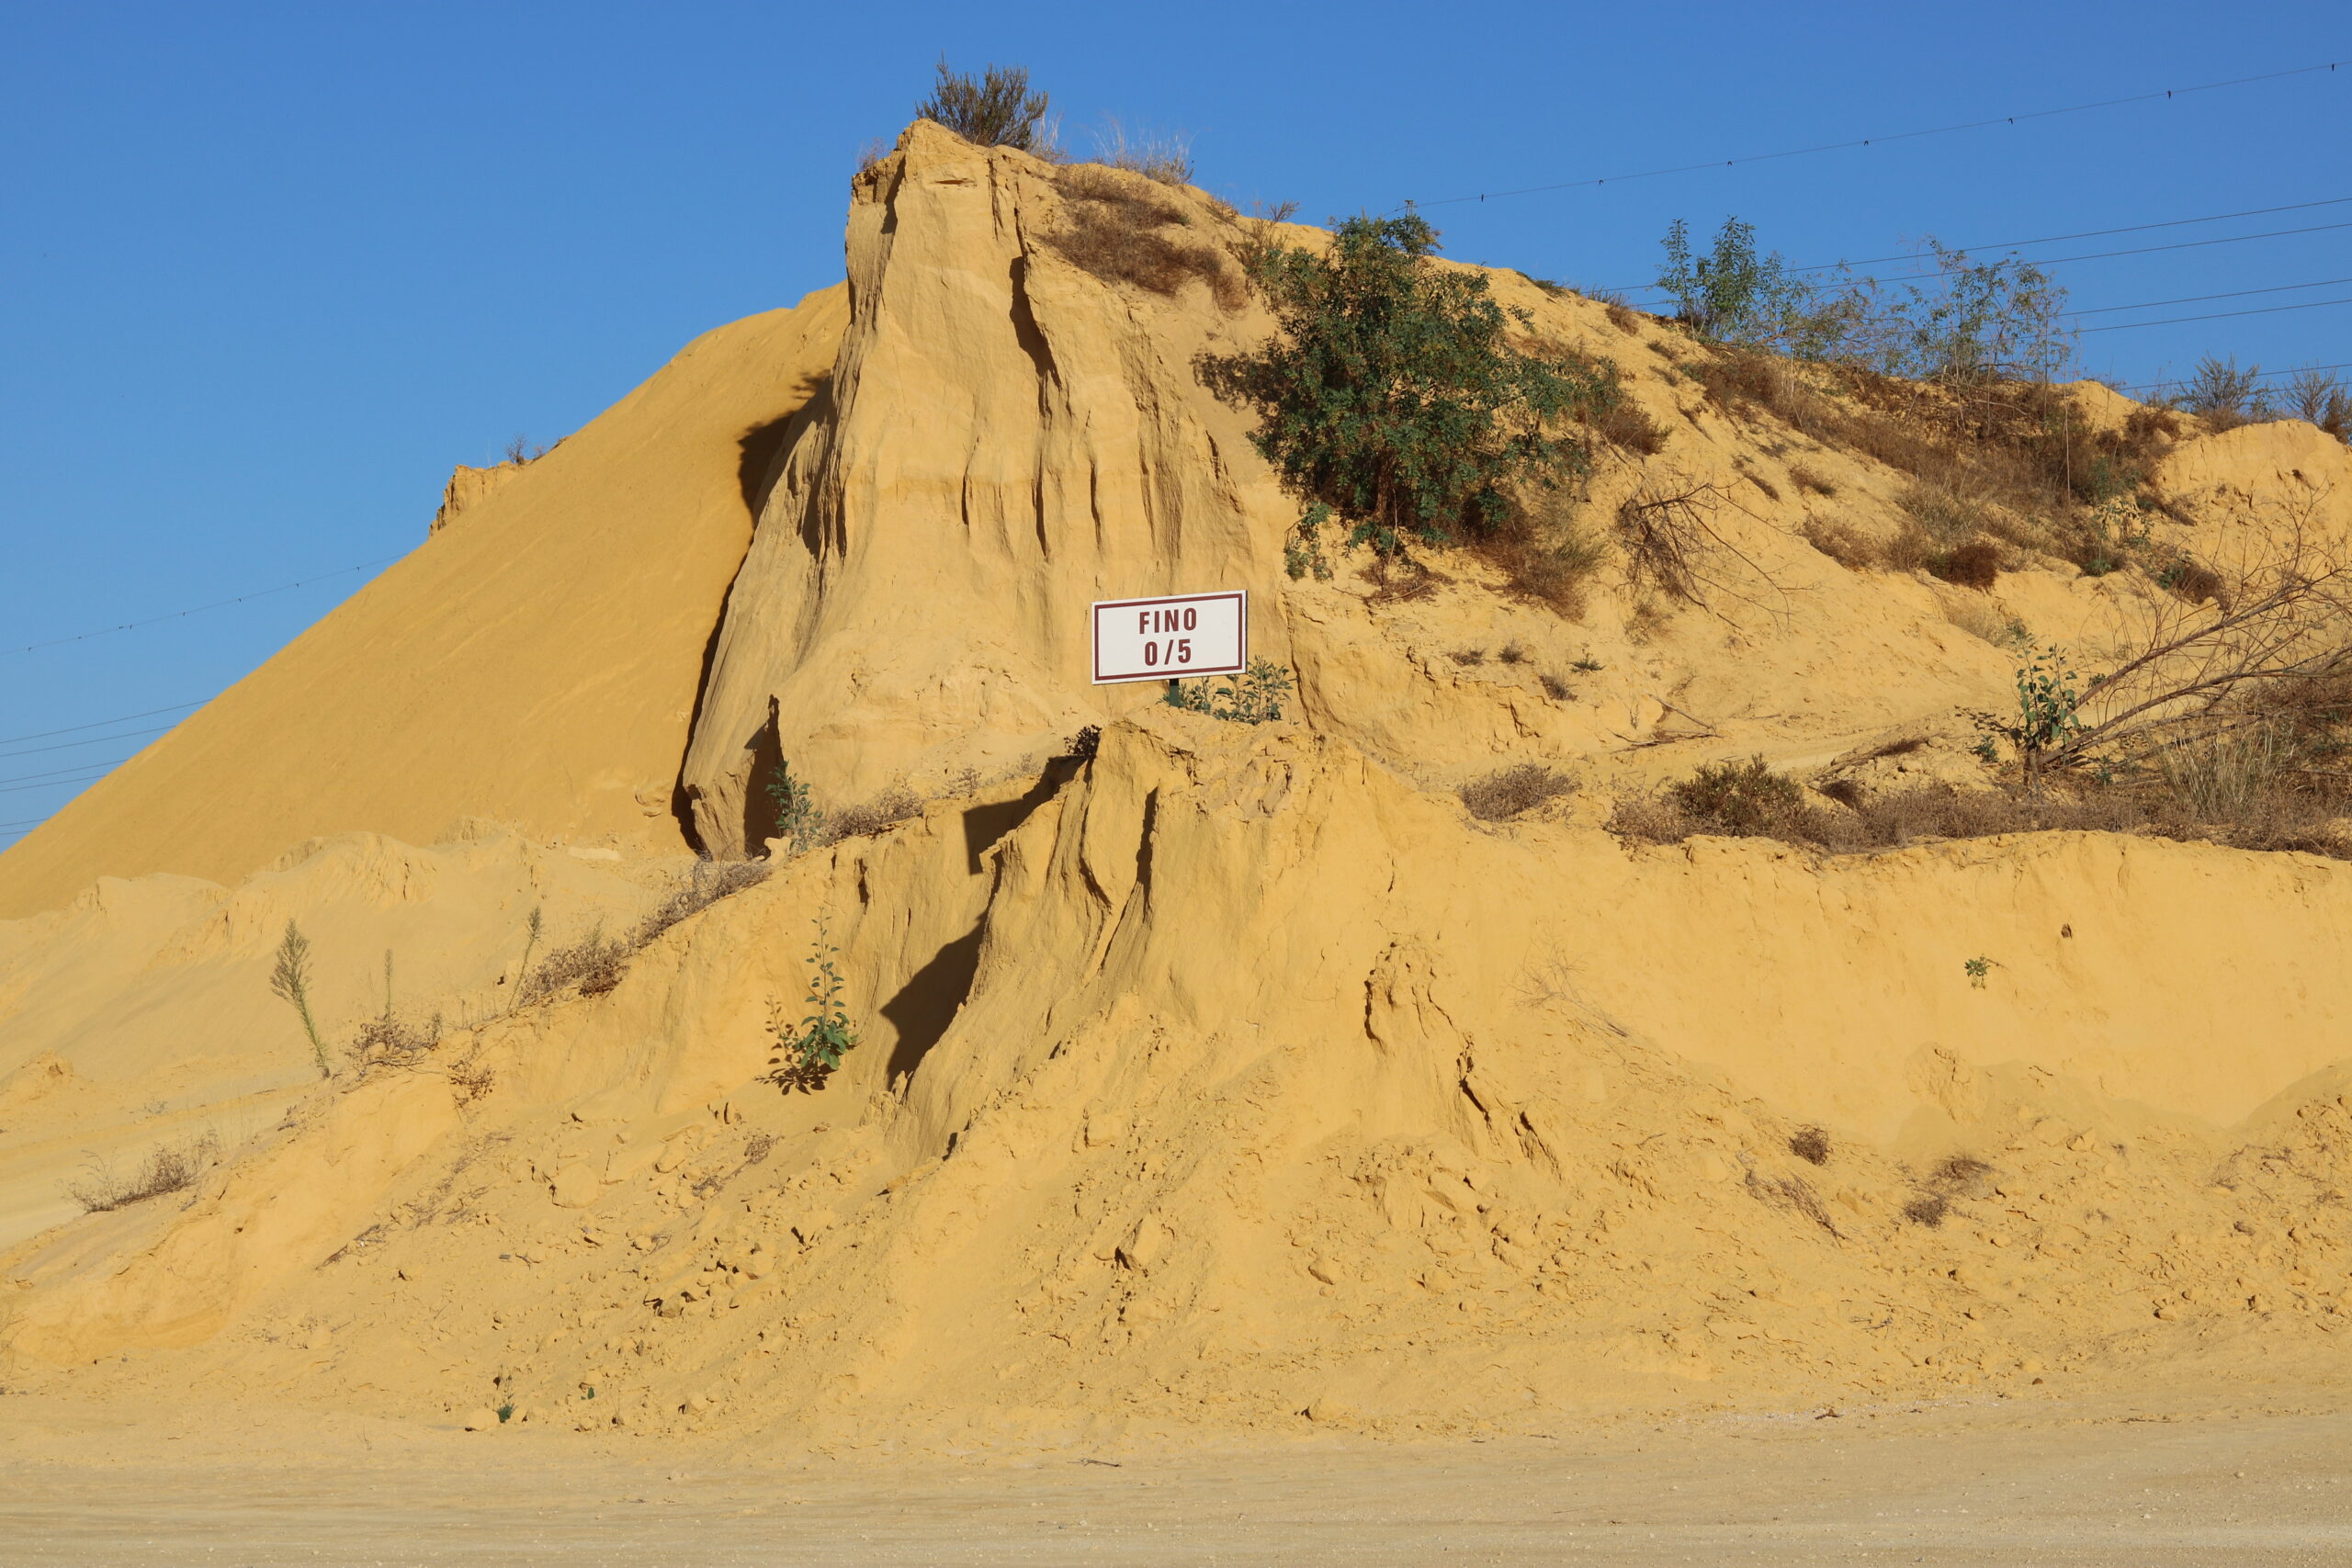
(1159, 639)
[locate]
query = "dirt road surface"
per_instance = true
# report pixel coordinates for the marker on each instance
(2007, 1482)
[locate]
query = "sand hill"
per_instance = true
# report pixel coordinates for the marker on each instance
(1225, 1078)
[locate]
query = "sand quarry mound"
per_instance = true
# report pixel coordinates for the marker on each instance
(1211, 1077)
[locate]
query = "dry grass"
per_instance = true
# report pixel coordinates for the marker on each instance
(595, 965)
(1976, 564)
(1810, 1145)
(1848, 546)
(1624, 426)
(892, 807)
(1499, 796)
(1805, 478)
(2285, 810)
(1988, 457)
(1114, 226)
(1164, 157)
(390, 1039)
(1624, 317)
(168, 1167)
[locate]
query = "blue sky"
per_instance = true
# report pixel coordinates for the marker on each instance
(269, 270)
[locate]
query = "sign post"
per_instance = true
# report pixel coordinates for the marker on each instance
(1159, 639)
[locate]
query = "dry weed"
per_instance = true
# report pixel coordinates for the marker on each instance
(168, 1167)
(1114, 229)
(1499, 796)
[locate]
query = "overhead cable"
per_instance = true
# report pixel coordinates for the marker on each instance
(53, 784)
(2219, 315)
(2054, 260)
(2199, 299)
(76, 768)
(2168, 93)
(102, 723)
(91, 740)
(199, 609)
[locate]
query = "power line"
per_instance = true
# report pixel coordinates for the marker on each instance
(199, 609)
(1898, 135)
(91, 740)
(53, 772)
(2198, 299)
(2219, 315)
(102, 723)
(2263, 375)
(2054, 260)
(53, 784)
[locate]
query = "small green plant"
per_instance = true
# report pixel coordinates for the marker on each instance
(291, 981)
(808, 1054)
(1586, 664)
(798, 820)
(2049, 716)
(1979, 968)
(995, 111)
(506, 1413)
(1255, 697)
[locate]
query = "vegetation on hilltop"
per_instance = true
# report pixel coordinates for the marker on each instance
(1393, 398)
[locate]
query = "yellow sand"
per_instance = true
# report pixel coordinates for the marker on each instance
(1234, 1079)
(535, 662)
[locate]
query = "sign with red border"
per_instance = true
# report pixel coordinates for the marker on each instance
(1159, 639)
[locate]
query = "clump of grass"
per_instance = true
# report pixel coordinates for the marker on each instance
(596, 964)
(168, 1167)
(1849, 547)
(1976, 564)
(1928, 1209)
(1164, 157)
(1805, 478)
(1559, 691)
(1115, 226)
(1499, 796)
(1740, 798)
(892, 807)
(1469, 656)
(1810, 1145)
(1512, 654)
(389, 1039)
(1954, 1178)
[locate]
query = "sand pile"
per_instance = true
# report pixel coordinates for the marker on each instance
(1225, 1076)
(1268, 1084)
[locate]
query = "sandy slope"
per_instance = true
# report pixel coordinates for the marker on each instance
(1230, 1082)
(535, 662)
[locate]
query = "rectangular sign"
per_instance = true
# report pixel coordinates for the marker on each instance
(1158, 639)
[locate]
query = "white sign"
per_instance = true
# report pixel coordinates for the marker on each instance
(1158, 639)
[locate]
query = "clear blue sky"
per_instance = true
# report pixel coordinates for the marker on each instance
(269, 270)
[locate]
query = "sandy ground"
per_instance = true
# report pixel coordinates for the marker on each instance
(1985, 1483)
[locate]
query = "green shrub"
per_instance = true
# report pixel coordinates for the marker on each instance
(997, 110)
(1732, 295)
(1393, 401)
(797, 819)
(1739, 797)
(1255, 697)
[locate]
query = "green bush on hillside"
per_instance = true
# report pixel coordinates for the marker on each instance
(1393, 401)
